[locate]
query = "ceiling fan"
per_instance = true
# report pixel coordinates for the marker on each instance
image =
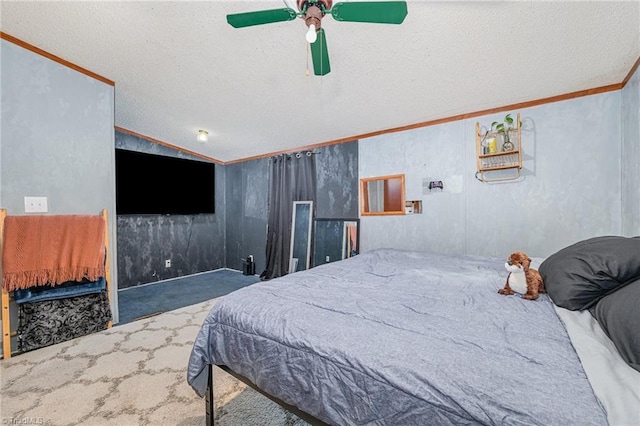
(312, 11)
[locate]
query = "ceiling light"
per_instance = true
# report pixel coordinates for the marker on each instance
(311, 34)
(202, 136)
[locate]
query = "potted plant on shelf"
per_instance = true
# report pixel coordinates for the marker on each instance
(504, 128)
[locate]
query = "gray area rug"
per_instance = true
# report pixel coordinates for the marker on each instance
(133, 374)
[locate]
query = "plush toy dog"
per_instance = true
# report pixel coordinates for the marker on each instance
(522, 279)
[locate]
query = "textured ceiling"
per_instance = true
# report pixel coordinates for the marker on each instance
(179, 67)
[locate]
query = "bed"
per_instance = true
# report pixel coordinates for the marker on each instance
(392, 337)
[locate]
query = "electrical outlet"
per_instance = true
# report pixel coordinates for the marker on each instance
(35, 205)
(167, 263)
(326, 259)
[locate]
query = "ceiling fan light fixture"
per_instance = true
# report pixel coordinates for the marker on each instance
(311, 36)
(203, 136)
(313, 11)
(313, 19)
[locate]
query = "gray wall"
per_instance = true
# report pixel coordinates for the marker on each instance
(337, 180)
(247, 199)
(193, 243)
(239, 226)
(631, 156)
(57, 140)
(336, 198)
(570, 189)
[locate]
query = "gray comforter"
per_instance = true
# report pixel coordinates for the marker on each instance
(400, 338)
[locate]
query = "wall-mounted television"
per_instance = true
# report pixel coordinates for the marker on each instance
(156, 184)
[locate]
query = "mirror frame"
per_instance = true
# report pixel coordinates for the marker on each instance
(303, 264)
(341, 245)
(364, 200)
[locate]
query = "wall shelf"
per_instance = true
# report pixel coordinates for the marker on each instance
(413, 207)
(490, 162)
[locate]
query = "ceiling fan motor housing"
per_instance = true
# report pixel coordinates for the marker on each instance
(314, 14)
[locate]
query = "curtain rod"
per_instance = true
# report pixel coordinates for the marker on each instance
(298, 154)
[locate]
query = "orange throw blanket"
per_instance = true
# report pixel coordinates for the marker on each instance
(40, 250)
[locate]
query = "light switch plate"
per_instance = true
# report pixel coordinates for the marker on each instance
(35, 205)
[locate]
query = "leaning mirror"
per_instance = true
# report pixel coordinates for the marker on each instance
(382, 195)
(300, 251)
(335, 239)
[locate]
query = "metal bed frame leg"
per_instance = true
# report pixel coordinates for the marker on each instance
(288, 407)
(209, 398)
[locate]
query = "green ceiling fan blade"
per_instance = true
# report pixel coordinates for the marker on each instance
(380, 12)
(248, 19)
(320, 55)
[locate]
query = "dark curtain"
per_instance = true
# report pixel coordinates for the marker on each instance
(292, 178)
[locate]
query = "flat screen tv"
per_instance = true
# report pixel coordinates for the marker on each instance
(155, 184)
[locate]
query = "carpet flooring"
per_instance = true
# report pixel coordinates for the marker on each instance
(167, 295)
(132, 374)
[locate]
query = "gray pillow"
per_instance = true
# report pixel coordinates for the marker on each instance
(577, 276)
(619, 315)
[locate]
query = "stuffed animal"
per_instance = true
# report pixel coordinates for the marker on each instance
(522, 279)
